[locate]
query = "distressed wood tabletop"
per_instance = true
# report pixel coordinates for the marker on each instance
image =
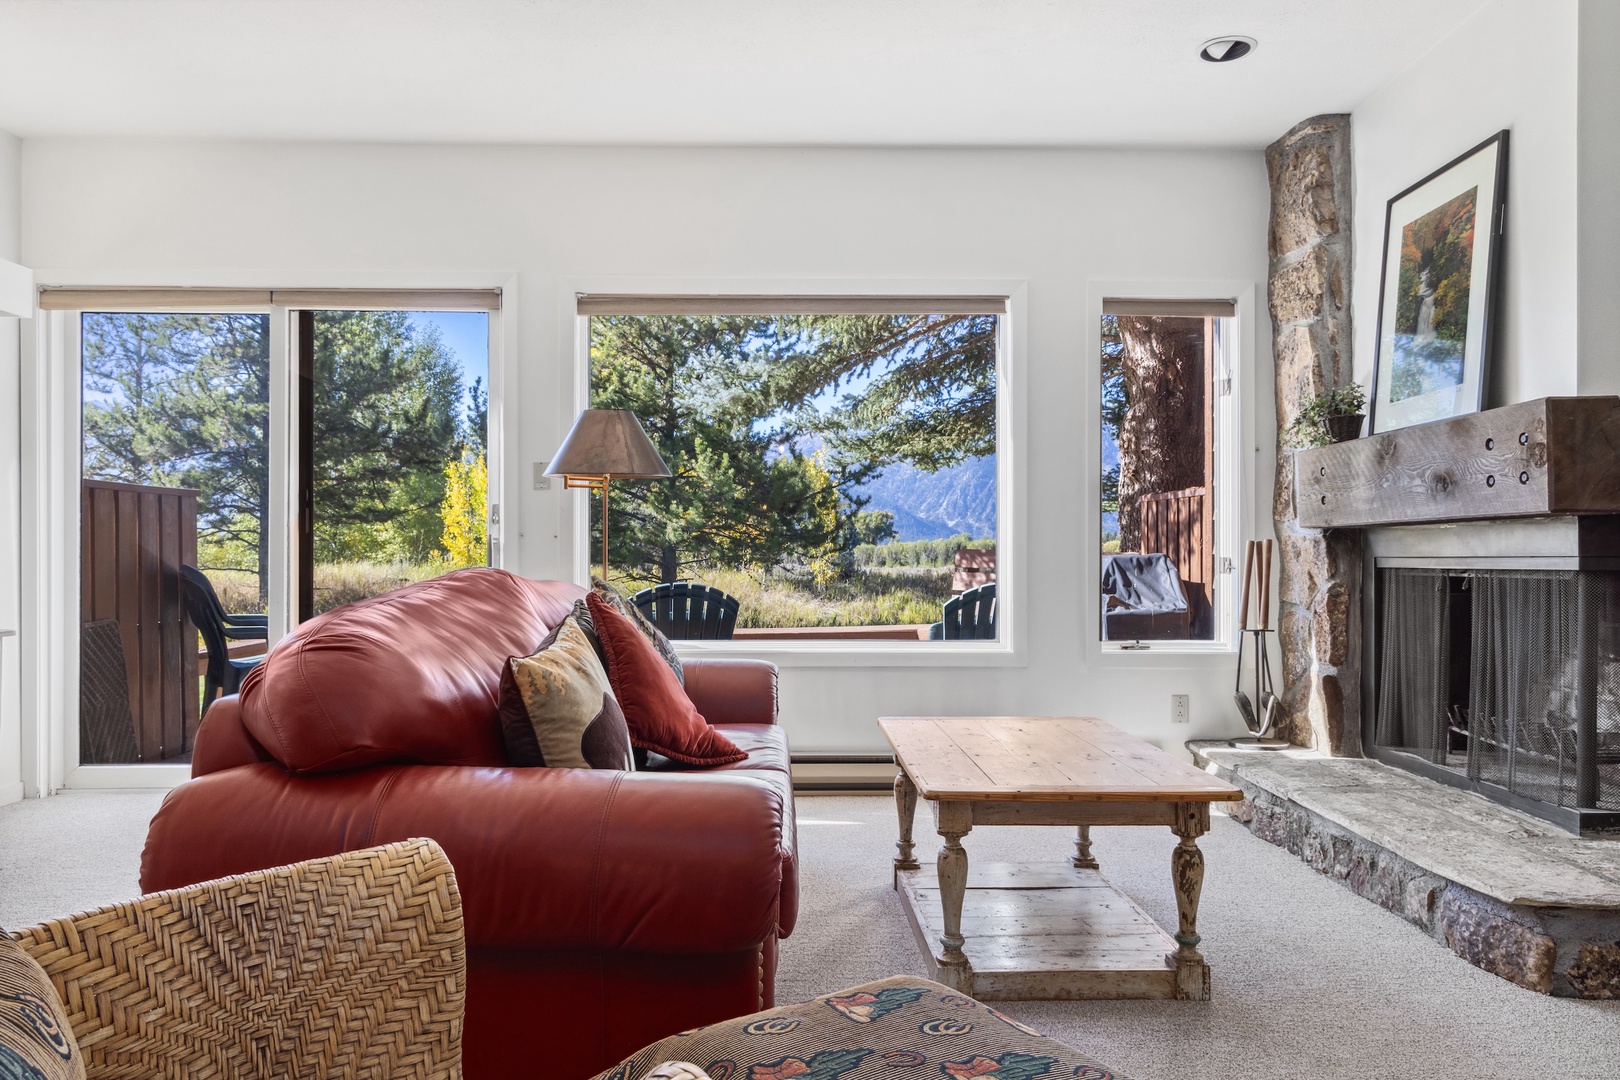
(1042, 759)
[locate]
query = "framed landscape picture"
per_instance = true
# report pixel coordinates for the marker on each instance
(1436, 301)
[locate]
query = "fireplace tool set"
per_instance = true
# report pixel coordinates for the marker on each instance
(1259, 712)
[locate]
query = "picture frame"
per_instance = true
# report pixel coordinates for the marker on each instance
(1437, 290)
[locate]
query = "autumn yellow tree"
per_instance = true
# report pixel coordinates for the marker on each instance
(466, 528)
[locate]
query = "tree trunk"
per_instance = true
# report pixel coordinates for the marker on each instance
(1161, 441)
(669, 564)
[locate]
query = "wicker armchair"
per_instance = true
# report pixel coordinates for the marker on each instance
(348, 966)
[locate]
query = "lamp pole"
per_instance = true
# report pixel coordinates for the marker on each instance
(598, 484)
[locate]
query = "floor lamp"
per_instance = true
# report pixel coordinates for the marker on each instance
(606, 445)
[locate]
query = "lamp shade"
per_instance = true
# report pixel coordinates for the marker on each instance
(608, 442)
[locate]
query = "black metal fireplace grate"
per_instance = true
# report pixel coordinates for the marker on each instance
(1508, 678)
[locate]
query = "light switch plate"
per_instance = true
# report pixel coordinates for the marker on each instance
(542, 482)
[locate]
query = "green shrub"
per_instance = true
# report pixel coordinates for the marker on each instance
(866, 598)
(917, 552)
(340, 583)
(870, 596)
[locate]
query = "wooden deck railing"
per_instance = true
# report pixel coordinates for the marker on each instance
(1180, 524)
(132, 541)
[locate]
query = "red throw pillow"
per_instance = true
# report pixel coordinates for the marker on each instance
(661, 716)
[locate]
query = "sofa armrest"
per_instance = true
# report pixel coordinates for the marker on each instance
(223, 742)
(546, 858)
(245, 976)
(732, 691)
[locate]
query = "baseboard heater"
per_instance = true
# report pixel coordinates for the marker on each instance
(842, 772)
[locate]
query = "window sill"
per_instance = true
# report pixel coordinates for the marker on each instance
(1116, 654)
(898, 654)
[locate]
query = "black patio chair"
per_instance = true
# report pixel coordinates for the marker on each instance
(218, 629)
(687, 611)
(969, 617)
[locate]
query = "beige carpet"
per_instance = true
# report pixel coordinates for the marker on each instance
(1310, 981)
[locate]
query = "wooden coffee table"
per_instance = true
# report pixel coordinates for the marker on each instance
(1050, 930)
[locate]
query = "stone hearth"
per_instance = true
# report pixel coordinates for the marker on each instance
(1514, 895)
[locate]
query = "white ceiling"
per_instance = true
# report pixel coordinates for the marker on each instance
(842, 72)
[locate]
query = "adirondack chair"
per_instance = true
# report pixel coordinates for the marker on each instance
(218, 627)
(687, 611)
(971, 616)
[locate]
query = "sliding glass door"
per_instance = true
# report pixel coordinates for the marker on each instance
(394, 456)
(378, 451)
(173, 497)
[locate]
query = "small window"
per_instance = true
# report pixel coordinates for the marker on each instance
(1160, 386)
(834, 461)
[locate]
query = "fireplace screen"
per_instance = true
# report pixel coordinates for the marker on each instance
(1511, 677)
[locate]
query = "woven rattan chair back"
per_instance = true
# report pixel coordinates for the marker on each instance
(349, 966)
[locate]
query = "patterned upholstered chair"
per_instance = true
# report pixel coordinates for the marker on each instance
(898, 1027)
(352, 965)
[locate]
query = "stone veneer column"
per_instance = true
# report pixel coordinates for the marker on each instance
(1319, 587)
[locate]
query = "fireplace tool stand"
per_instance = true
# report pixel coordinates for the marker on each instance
(1260, 712)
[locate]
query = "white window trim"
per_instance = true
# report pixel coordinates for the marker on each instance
(1237, 461)
(52, 416)
(1011, 650)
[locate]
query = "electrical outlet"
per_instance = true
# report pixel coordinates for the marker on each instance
(1178, 709)
(542, 482)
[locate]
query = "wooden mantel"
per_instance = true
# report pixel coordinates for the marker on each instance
(1551, 456)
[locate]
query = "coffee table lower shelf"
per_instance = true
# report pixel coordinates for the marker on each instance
(1043, 932)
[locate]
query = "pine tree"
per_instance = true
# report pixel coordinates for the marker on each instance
(1161, 413)
(184, 401)
(386, 398)
(742, 493)
(929, 393)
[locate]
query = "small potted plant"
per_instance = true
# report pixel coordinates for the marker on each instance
(1330, 417)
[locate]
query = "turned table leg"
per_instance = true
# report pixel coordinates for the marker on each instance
(1187, 874)
(955, 822)
(1083, 859)
(905, 803)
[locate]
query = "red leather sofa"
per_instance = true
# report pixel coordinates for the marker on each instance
(603, 909)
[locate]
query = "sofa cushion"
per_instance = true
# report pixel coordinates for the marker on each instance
(35, 1041)
(898, 1027)
(557, 706)
(569, 859)
(661, 717)
(409, 676)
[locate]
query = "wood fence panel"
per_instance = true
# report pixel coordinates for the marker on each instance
(1179, 524)
(150, 658)
(133, 539)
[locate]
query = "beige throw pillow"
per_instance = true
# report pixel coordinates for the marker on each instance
(557, 707)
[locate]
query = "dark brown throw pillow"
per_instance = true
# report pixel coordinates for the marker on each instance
(654, 636)
(557, 707)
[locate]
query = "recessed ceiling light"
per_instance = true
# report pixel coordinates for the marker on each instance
(1222, 49)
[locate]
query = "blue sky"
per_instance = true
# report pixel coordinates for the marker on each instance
(464, 333)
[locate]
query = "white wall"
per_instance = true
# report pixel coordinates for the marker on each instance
(179, 213)
(1513, 65)
(10, 448)
(1598, 160)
